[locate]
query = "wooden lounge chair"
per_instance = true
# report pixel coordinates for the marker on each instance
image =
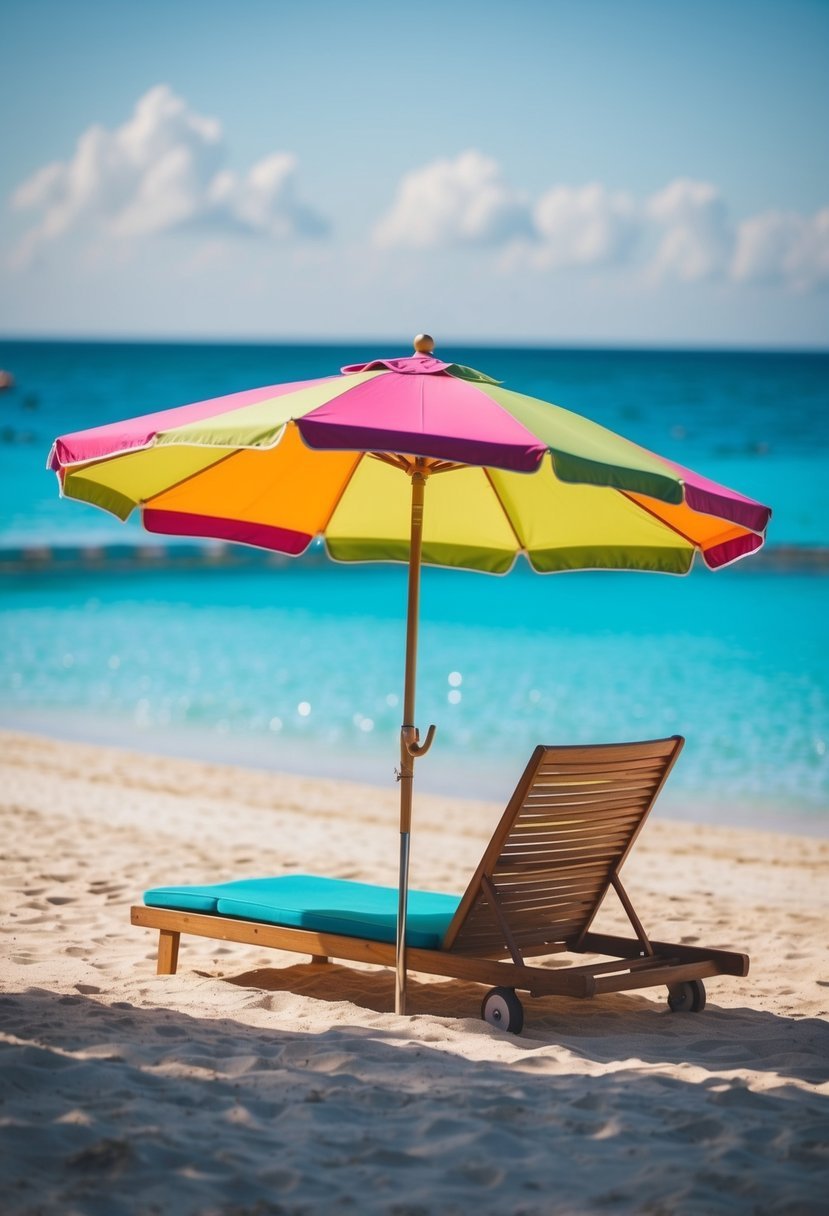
(556, 852)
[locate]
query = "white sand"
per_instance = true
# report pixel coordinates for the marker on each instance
(253, 1082)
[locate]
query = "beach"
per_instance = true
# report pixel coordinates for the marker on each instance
(258, 1082)
(306, 467)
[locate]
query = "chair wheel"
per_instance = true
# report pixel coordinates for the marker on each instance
(687, 998)
(501, 1007)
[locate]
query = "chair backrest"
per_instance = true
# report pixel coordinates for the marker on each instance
(564, 836)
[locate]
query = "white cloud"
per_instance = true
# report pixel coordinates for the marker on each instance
(584, 226)
(161, 170)
(783, 247)
(464, 201)
(682, 232)
(698, 238)
(165, 169)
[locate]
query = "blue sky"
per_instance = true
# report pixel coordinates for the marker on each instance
(549, 172)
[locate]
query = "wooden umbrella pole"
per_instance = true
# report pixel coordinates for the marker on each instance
(410, 746)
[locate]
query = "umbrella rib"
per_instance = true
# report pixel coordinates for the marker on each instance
(346, 483)
(391, 458)
(445, 466)
(665, 523)
(521, 544)
(429, 466)
(174, 485)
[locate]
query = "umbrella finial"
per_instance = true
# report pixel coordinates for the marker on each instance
(424, 344)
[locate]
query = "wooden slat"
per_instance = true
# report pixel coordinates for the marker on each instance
(561, 791)
(584, 823)
(558, 932)
(610, 846)
(582, 811)
(583, 807)
(529, 917)
(576, 781)
(521, 870)
(571, 839)
(549, 894)
(479, 939)
(532, 935)
(585, 827)
(544, 909)
(603, 847)
(596, 832)
(610, 838)
(598, 768)
(546, 906)
(619, 818)
(549, 857)
(547, 861)
(536, 830)
(577, 820)
(546, 844)
(610, 841)
(586, 803)
(568, 870)
(546, 916)
(553, 892)
(485, 948)
(562, 867)
(589, 753)
(587, 798)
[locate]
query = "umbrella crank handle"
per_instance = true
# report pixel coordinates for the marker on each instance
(415, 748)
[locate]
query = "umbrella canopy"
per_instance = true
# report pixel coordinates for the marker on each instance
(277, 467)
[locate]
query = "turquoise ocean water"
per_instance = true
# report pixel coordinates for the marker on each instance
(300, 667)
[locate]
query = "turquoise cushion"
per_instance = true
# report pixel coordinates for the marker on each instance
(329, 905)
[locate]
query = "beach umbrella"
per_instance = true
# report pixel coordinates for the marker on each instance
(349, 457)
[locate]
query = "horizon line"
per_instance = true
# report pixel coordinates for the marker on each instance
(476, 343)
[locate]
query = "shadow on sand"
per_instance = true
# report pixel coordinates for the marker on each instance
(606, 1030)
(111, 1110)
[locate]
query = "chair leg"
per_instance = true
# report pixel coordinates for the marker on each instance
(168, 941)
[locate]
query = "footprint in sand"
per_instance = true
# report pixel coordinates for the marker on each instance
(106, 888)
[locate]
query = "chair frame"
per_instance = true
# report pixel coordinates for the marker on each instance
(498, 959)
